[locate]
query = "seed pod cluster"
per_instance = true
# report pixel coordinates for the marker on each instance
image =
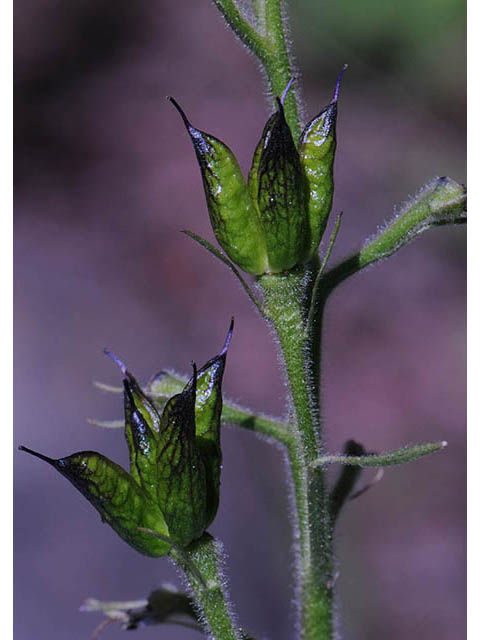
(276, 219)
(173, 484)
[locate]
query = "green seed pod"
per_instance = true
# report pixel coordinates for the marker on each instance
(234, 220)
(121, 502)
(208, 413)
(278, 188)
(142, 423)
(278, 220)
(317, 154)
(181, 477)
(141, 439)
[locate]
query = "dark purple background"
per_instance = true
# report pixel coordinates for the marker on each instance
(105, 179)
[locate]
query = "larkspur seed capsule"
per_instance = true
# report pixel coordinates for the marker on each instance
(276, 220)
(172, 489)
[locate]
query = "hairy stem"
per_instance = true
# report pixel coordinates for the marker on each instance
(202, 564)
(267, 41)
(440, 202)
(278, 65)
(286, 303)
(242, 28)
(265, 426)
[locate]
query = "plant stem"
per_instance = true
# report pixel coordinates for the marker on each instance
(286, 304)
(441, 201)
(287, 300)
(204, 558)
(242, 28)
(387, 459)
(269, 44)
(278, 65)
(265, 426)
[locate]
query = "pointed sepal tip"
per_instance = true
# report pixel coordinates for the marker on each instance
(228, 339)
(337, 85)
(36, 454)
(286, 90)
(182, 113)
(117, 360)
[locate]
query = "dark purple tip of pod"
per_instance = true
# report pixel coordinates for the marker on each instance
(228, 339)
(287, 89)
(337, 86)
(191, 385)
(279, 107)
(117, 361)
(127, 387)
(194, 374)
(186, 121)
(276, 120)
(38, 455)
(198, 137)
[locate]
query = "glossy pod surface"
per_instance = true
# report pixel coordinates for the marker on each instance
(277, 220)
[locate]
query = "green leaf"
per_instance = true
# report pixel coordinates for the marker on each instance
(181, 479)
(120, 501)
(399, 456)
(440, 202)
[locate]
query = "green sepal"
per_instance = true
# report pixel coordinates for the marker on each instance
(120, 501)
(181, 476)
(278, 177)
(317, 147)
(208, 414)
(317, 154)
(232, 213)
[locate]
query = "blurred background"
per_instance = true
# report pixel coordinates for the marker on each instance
(105, 179)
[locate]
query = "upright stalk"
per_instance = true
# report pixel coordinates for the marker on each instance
(202, 563)
(278, 65)
(286, 304)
